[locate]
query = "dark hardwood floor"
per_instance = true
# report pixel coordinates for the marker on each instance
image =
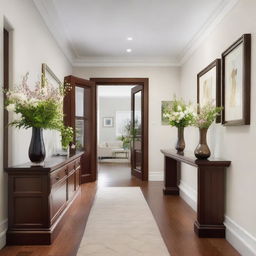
(173, 216)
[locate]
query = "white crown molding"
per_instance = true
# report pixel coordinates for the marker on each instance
(206, 29)
(123, 62)
(49, 14)
(3, 229)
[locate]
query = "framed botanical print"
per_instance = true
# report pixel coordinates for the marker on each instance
(49, 76)
(209, 85)
(108, 122)
(165, 105)
(236, 82)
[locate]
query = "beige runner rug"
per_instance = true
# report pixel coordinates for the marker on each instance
(121, 223)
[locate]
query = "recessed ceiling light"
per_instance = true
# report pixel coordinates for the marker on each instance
(129, 50)
(129, 38)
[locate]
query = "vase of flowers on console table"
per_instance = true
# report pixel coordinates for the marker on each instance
(39, 108)
(180, 115)
(206, 116)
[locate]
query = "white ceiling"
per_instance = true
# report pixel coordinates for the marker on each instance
(114, 91)
(96, 31)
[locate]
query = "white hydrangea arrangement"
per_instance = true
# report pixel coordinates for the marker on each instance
(180, 114)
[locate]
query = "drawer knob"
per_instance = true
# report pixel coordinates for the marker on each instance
(57, 178)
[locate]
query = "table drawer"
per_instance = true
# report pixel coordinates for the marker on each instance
(58, 175)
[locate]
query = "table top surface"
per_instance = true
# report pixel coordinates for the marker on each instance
(189, 158)
(50, 163)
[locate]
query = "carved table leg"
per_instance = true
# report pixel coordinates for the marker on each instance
(171, 174)
(210, 204)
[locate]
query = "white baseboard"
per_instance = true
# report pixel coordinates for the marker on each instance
(189, 195)
(237, 236)
(3, 229)
(242, 240)
(156, 176)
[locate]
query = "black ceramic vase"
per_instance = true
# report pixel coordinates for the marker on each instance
(202, 150)
(36, 151)
(180, 146)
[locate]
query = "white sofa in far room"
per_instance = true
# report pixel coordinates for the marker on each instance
(106, 149)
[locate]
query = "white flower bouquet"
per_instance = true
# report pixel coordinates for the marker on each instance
(180, 114)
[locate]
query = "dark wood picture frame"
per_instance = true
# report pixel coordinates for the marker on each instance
(245, 40)
(216, 63)
(6, 70)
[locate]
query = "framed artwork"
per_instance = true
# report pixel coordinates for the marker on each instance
(209, 85)
(236, 82)
(47, 74)
(165, 105)
(108, 122)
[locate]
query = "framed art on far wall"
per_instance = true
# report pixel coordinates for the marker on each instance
(108, 122)
(236, 82)
(209, 85)
(165, 105)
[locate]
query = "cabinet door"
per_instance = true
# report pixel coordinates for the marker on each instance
(77, 184)
(71, 185)
(58, 198)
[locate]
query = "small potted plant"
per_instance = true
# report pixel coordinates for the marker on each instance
(206, 116)
(39, 108)
(180, 115)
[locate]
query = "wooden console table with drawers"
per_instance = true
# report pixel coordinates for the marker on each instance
(38, 198)
(210, 189)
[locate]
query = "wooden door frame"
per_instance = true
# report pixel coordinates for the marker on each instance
(130, 81)
(69, 120)
(6, 87)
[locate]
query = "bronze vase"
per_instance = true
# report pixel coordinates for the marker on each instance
(181, 142)
(202, 150)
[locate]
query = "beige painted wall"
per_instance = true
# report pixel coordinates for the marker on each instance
(32, 45)
(233, 143)
(163, 83)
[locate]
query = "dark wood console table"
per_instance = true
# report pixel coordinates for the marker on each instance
(38, 197)
(210, 189)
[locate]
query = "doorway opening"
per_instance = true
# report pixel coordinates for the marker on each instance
(114, 132)
(133, 129)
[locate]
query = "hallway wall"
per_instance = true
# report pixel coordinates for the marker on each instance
(32, 45)
(108, 107)
(163, 83)
(235, 143)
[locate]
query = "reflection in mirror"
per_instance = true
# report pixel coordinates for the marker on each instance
(79, 134)
(79, 101)
(137, 114)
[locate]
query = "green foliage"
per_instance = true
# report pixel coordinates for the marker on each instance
(206, 116)
(66, 136)
(39, 108)
(129, 132)
(46, 115)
